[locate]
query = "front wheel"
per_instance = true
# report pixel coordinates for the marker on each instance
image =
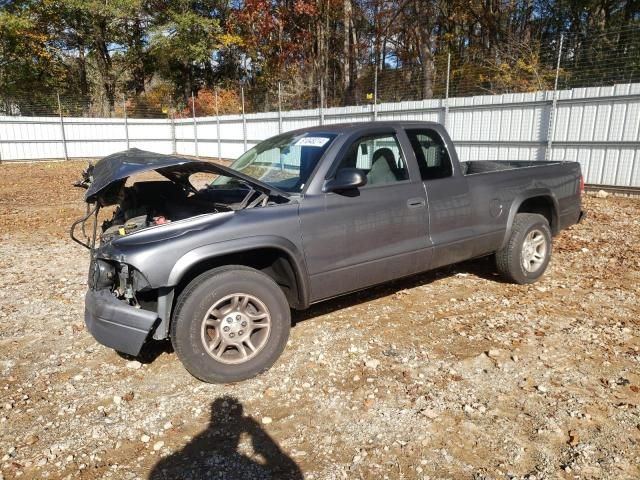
(527, 253)
(230, 324)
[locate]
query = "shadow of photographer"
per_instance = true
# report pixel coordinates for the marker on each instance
(214, 453)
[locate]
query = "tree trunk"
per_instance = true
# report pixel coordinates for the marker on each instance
(425, 49)
(320, 61)
(136, 46)
(353, 63)
(346, 52)
(427, 73)
(105, 66)
(82, 72)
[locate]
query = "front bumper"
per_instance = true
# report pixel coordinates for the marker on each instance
(115, 324)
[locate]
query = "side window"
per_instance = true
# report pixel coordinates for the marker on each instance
(379, 156)
(433, 157)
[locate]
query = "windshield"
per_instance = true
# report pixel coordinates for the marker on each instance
(283, 162)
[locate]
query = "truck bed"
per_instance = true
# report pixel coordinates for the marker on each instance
(507, 180)
(485, 166)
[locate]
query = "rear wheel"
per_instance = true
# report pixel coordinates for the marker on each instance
(230, 324)
(526, 255)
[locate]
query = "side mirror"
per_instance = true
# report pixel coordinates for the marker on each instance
(346, 179)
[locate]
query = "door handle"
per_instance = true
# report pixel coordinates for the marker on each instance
(415, 202)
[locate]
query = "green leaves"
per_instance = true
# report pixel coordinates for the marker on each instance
(185, 37)
(94, 52)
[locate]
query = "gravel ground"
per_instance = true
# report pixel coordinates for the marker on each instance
(451, 374)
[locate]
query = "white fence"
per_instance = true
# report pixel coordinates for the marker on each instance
(599, 127)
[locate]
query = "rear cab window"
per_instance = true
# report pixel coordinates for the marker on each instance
(431, 154)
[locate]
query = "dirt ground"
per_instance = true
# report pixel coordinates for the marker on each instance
(451, 374)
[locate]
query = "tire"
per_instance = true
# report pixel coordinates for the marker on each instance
(529, 244)
(232, 301)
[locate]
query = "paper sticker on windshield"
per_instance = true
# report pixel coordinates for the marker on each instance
(312, 142)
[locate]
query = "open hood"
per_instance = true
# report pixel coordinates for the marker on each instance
(116, 168)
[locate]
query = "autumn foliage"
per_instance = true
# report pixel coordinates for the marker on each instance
(211, 102)
(95, 53)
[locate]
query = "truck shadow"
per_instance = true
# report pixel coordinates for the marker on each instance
(216, 452)
(480, 267)
(151, 350)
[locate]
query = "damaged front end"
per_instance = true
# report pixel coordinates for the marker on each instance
(122, 309)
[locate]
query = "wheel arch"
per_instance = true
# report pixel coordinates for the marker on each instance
(541, 201)
(275, 256)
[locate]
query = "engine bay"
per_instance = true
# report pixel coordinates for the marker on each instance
(151, 203)
(140, 203)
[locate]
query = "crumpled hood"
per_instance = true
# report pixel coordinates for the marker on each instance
(120, 166)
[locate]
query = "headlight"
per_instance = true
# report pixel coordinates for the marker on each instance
(103, 274)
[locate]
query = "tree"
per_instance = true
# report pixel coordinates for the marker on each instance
(92, 52)
(25, 60)
(183, 38)
(210, 103)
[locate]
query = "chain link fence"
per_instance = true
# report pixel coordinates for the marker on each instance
(573, 97)
(520, 65)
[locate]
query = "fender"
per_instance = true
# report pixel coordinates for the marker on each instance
(239, 245)
(520, 199)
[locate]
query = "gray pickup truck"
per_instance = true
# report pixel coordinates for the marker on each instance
(215, 257)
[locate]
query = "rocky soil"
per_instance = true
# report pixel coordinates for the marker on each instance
(451, 374)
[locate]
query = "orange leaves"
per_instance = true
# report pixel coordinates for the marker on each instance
(155, 102)
(205, 103)
(305, 7)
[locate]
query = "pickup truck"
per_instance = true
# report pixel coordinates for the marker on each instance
(215, 257)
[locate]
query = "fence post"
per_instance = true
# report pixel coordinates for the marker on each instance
(446, 93)
(174, 149)
(195, 125)
(375, 93)
(64, 137)
(218, 124)
(279, 108)
(321, 101)
(126, 121)
(244, 119)
(554, 104)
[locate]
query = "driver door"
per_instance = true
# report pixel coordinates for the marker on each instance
(365, 236)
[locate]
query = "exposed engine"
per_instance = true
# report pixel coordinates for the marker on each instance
(151, 203)
(131, 225)
(147, 204)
